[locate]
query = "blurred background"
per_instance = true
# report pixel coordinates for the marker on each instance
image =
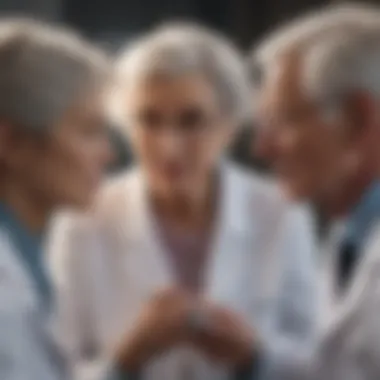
(112, 22)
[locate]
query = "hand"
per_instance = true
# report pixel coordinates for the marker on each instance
(226, 338)
(160, 325)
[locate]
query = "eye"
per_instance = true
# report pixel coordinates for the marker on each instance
(193, 119)
(149, 119)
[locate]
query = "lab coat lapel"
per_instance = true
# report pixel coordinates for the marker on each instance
(139, 242)
(147, 249)
(232, 264)
(346, 306)
(326, 289)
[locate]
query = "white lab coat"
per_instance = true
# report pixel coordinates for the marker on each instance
(108, 263)
(28, 348)
(349, 324)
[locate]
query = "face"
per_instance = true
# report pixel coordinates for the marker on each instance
(313, 157)
(65, 167)
(178, 131)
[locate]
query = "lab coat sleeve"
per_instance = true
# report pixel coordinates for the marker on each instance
(288, 342)
(68, 247)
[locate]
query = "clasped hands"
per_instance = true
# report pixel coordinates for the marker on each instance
(173, 317)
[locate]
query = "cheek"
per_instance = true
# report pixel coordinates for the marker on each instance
(313, 164)
(154, 150)
(147, 147)
(71, 174)
(323, 153)
(204, 153)
(62, 171)
(301, 149)
(142, 142)
(295, 145)
(73, 157)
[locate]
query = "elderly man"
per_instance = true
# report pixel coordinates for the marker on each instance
(53, 150)
(319, 115)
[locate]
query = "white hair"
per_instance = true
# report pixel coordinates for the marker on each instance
(180, 49)
(339, 49)
(44, 70)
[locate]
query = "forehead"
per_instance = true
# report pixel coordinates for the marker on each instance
(281, 88)
(180, 89)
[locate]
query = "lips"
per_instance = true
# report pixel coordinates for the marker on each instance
(173, 171)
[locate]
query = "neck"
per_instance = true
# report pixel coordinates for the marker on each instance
(343, 201)
(31, 210)
(191, 210)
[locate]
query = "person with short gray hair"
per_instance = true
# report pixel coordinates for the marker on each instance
(187, 243)
(54, 148)
(317, 101)
(181, 49)
(43, 71)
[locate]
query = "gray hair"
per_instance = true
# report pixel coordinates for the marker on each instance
(339, 48)
(44, 70)
(179, 49)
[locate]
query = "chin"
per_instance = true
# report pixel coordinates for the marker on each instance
(296, 192)
(178, 192)
(174, 187)
(81, 203)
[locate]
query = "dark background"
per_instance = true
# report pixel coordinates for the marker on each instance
(242, 20)
(112, 22)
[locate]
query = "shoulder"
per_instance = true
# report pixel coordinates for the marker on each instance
(72, 231)
(117, 194)
(118, 185)
(262, 193)
(255, 185)
(114, 194)
(258, 204)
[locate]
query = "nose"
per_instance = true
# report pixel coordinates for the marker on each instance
(170, 143)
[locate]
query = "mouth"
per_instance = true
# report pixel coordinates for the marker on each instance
(174, 172)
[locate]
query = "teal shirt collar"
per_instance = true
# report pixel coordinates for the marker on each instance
(29, 247)
(363, 216)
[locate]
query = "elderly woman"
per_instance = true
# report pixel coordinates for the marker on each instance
(53, 151)
(187, 265)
